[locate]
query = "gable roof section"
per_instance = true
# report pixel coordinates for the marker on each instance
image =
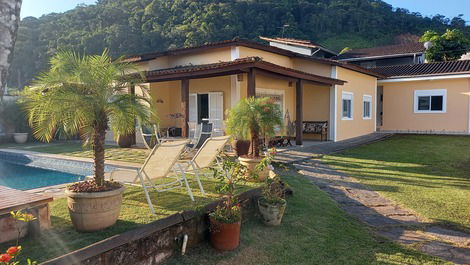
(249, 44)
(425, 69)
(234, 67)
(383, 51)
(302, 43)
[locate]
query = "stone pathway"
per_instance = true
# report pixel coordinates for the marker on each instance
(298, 154)
(385, 217)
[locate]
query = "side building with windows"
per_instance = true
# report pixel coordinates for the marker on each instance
(425, 98)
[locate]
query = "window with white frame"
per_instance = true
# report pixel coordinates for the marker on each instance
(347, 113)
(430, 101)
(367, 107)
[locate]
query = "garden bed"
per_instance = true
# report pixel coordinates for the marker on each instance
(62, 238)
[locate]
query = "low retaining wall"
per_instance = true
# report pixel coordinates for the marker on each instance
(155, 242)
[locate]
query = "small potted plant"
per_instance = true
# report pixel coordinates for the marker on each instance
(13, 118)
(272, 203)
(88, 95)
(249, 119)
(225, 221)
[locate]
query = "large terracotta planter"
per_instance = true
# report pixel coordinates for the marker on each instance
(125, 141)
(272, 213)
(251, 163)
(224, 236)
(93, 211)
(20, 138)
(241, 147)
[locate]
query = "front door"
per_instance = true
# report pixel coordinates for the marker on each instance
(207, 107)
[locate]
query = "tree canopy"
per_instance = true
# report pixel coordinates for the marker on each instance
(449, 46)
(139, 26)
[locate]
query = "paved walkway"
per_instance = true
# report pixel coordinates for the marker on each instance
(294, 155)
(382, 215)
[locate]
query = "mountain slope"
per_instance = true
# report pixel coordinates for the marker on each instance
(137, 26)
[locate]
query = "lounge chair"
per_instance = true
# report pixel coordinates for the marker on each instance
(205, 133)
(161, 163)
(205, 157)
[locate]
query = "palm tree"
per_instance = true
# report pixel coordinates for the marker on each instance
(86, 95)
(253, 117)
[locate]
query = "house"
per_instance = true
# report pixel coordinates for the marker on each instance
(203, 82)
(425, 98)
(398, 54)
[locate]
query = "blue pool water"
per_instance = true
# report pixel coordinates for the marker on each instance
(23, 177)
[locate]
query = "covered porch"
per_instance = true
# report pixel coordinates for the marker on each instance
(192, 94)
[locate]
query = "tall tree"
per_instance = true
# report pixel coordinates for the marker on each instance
(449, 46)
(9, 19)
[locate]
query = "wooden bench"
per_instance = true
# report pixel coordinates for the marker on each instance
(316, 127)
(14, 200)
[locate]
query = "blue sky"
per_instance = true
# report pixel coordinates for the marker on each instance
(449, 8)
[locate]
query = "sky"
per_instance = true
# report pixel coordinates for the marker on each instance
(448, 8)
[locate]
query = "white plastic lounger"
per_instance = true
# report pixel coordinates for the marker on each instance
(162, 162)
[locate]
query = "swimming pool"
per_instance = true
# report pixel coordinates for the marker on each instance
(25, 171)
(22, 177)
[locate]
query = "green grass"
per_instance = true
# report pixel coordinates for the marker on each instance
(428, 174)
(113, 153)
(62, 238)
(314, 231)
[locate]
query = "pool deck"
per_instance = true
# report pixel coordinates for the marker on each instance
(57, 191)
(12, 200)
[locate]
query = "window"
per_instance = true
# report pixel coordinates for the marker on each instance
(430, 101)
(347, 113)
(367, 107)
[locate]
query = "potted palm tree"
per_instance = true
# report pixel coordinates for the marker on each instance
(249, 119)
(87, 95)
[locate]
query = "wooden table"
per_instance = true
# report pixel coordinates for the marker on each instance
(14, 200)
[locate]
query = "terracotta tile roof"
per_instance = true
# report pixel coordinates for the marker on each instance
(408, 48)
(242, 64)
(425, 69)
(250, 44)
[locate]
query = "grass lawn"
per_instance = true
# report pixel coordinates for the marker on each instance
(62, 238)
(428, 174)
(314, 231)
(136, 155)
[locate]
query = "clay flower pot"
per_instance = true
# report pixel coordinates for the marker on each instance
(272, 213)
(20, 138)
(224, 236)
(93, 211)
(250, 163)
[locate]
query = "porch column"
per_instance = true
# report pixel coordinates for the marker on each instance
(298, 112)
(251, 87)
(131, 90)
(185, 107)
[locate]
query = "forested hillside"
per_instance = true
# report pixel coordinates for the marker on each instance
(137, 26)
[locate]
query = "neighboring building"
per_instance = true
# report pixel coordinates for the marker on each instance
(399, 54)
(204, 82)
(425, 98)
